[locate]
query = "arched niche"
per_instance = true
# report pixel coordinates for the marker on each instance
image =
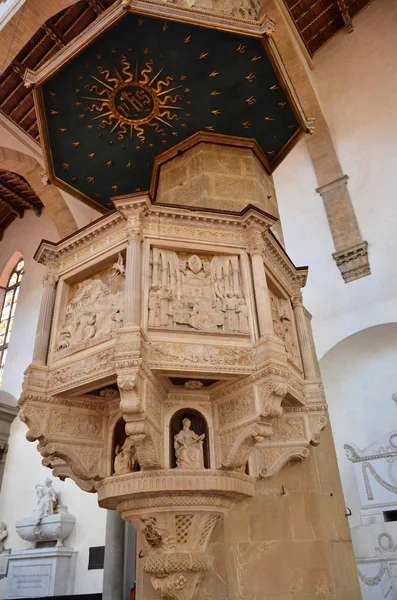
(199, 426)
(119, 437)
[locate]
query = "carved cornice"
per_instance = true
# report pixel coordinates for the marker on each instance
(7, 413)
(353, 262)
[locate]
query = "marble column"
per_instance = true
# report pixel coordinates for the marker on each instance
(45, 318)
(309, 367)
(132, 306)
(263, 307)
(113, 570)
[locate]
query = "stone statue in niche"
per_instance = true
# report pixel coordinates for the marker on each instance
(188, 448)
(283, 326)
(203, 293)
(95, 309)
(125, 459)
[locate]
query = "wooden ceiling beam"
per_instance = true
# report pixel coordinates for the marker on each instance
(96, 6)
(6, 188)
(14, 208)
(345, 15)
(54, 35)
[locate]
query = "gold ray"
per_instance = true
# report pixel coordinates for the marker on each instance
(91, 98)
(167, 91)
(173, 107)
(118, 123)
(136, 70)
(101, 115)
(165, 122)
(119, 77)
(131, 131)
(155, 77)
(102, 83)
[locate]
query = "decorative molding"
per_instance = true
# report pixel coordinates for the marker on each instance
(353, 262)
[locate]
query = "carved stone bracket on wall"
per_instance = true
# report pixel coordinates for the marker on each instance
(351, 254)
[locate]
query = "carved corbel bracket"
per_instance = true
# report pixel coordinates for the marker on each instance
(272, 460)
(317, 424)
(237, 456)
(70, 441)
(272, 394)
(139, 427)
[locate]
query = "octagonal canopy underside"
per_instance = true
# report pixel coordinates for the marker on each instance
(147, 84)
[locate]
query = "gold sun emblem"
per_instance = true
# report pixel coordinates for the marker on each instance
(131, 100)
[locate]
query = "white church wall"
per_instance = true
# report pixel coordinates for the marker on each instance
(23, 468)
(359, 376)
(355, 79)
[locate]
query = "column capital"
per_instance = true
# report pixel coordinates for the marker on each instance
(297, 300)
(50, 280)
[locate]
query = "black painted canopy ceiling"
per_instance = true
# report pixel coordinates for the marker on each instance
(147, 84)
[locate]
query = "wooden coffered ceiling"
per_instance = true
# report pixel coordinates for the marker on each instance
(16, 196)
(317, 21)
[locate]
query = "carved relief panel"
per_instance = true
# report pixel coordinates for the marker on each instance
(93, 310)
(197, 292)
(284, 323)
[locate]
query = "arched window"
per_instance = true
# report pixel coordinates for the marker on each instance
(8, 312)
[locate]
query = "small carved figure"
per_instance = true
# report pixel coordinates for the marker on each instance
(218, 313)
(189, 447)
(3, 535)
(118, 267)
(47, 501)
(180, 312)
(154, 306)
(165, 295)
(86, 327)
(125, 458)
(231, 315)
(200, 318)
(242, 311)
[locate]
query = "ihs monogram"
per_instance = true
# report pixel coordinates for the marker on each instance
(130, 100)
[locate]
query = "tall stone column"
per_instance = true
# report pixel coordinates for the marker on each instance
(45, 318)
(132, 306)
(113, 570)
(264, 311)
(309, 366)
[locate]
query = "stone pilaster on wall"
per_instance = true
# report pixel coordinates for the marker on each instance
(351, 254)
(351, 260)
(291, 541)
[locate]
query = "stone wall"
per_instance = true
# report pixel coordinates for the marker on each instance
(291, 542)
(218, 177)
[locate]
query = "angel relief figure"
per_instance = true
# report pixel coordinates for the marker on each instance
(188, 447)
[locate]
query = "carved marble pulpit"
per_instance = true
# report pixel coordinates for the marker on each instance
(159, 312)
